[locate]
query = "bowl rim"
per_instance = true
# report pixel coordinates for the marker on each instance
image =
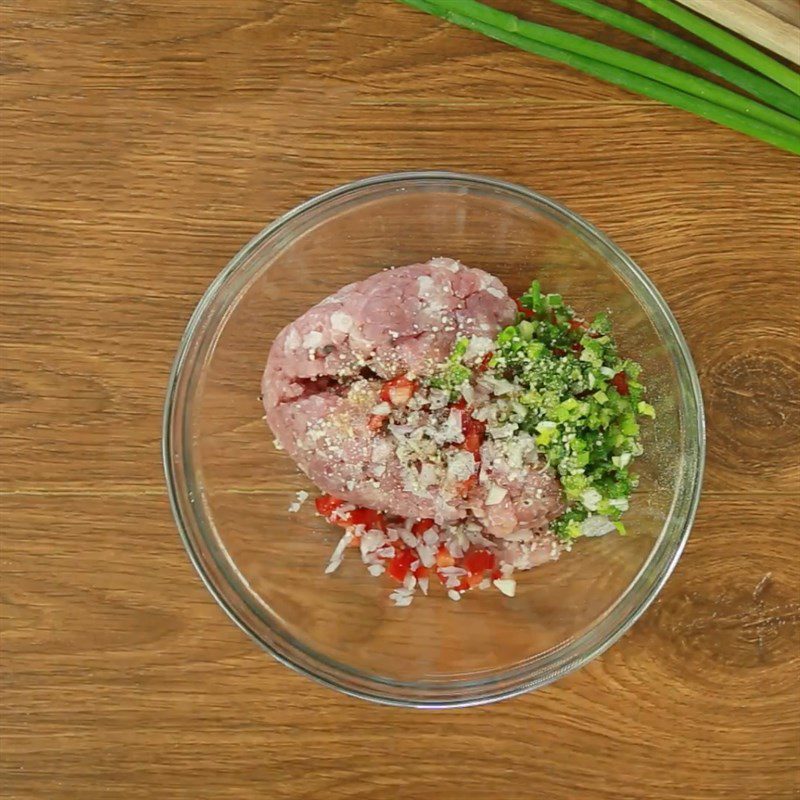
(592, 236)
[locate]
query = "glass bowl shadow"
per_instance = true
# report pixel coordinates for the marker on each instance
(230, 488)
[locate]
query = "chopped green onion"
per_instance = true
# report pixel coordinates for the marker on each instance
(646, 409)
(582, 415)
(526, 330)
(454, 372)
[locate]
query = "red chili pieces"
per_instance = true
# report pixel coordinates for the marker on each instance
(526, 312)
(400, 564)
(376, 422)
(422, 525)
(478, 563)
(620, 383)
(326, 504)
(367, 517)
(467, 485)
(474, 433)
(398, 391)
(444, 557)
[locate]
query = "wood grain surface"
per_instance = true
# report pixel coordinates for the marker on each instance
(142, 143)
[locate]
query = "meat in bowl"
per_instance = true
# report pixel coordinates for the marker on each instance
(420, 401)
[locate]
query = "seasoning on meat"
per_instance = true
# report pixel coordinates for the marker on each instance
(454, 431)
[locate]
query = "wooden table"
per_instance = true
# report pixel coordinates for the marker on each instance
(143, 143)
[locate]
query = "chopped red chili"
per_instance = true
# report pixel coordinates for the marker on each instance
(326, 504)
(620, 383)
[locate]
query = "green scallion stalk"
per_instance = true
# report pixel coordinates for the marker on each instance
(727, 42)
(765, 90)
(639, 65)
(620, 77)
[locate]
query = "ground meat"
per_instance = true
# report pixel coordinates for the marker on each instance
(322, 385)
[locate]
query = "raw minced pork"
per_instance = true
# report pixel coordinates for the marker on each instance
(322, 386)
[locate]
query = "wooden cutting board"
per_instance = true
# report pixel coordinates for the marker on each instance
(774, 24)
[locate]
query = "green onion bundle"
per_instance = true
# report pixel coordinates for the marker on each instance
(773, 117)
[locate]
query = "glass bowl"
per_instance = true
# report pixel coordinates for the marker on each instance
(230, 488)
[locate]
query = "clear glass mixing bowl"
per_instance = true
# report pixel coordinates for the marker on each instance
(230, 488)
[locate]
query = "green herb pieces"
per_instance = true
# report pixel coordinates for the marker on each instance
(454, 373)
(583, 403)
